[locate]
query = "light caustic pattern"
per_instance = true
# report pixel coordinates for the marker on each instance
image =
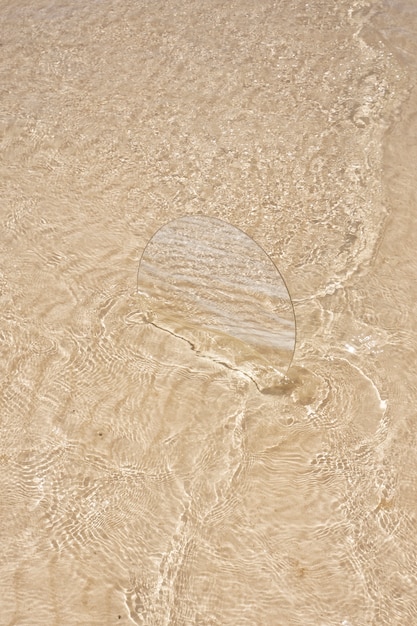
(156, 467)
(209, 283)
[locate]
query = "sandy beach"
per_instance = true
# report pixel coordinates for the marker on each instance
(226, 437)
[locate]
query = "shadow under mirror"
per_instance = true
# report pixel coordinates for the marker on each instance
(208, 283)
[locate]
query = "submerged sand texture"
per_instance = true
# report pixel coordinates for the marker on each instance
(140, 482)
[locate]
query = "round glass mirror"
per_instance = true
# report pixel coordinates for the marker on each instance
(210, 284)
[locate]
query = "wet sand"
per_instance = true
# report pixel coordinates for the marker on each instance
(139, 482)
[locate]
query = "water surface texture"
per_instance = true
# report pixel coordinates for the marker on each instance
(141, 484)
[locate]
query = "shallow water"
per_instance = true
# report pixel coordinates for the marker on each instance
(140, 483)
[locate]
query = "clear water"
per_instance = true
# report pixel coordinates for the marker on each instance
(139, 483)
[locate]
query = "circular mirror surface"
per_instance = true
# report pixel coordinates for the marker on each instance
(210, 284)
